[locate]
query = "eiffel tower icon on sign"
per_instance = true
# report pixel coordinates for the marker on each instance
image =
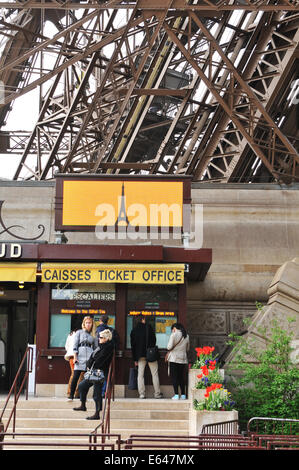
(122, 219)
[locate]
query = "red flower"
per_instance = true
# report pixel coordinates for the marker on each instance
(205, 370)
(205, 350)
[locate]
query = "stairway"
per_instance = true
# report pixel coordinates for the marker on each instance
(128, 416)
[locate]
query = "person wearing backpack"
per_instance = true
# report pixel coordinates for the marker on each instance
(143, 337)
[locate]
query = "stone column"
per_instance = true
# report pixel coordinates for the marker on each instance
(282, 305)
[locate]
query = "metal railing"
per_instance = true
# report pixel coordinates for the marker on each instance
(92, 441)
(157, 442)
(28, 361)
(104, 425)
(226, 427)
(45, 441)
(201, 442)
(273, 425)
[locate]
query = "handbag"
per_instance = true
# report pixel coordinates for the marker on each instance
(94, 375)
(168, 352)
(152, 352)
(133, 378)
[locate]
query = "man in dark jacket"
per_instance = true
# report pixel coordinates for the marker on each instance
(104, 326)
(143, 336)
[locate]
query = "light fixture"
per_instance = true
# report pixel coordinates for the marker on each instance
(60, 238)
(21, 285)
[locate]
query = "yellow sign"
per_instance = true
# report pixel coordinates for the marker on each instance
(122, 203)
(113, 273)
(18, 272)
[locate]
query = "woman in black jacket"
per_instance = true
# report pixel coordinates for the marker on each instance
(100, 359)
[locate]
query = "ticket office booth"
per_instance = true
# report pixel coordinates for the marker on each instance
(70, 303)
(124, 302)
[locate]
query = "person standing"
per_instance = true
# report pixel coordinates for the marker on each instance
(178, 346)
(84, 345)
(142, 337)
(103, 325)
(99, 359)
(69, 356)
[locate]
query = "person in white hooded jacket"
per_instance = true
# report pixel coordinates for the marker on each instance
(178, 346)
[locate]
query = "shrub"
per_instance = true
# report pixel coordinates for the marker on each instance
(269, 383)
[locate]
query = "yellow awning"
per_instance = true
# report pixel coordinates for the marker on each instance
(113, 273)
(18, 272)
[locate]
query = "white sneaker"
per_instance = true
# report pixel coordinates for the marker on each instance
(141, 396)
(175, 397)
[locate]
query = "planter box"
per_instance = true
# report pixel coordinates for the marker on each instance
(197, 419)
(192, 379)
(197, 394)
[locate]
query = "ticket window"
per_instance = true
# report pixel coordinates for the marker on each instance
(70, 303)
(158, 304)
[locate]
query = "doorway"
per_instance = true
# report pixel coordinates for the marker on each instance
(16, 331)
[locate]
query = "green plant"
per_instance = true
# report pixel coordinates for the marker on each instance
(211, 376)
(216, 399)
(269, 383)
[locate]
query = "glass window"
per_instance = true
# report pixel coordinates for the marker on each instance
(161, 326)
(70, 303)
(60, 328)
(159, 303)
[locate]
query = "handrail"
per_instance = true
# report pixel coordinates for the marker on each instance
(274, 421)
(225, 428)
(28, 356)
(105, 423)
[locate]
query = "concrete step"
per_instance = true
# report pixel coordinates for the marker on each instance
(118, 403)
(134, 424)
(63, 413)
(55, 416)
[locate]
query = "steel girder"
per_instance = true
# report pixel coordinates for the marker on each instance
(150, 5)
(161, 87)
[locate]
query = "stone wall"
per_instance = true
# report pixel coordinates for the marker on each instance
(252, 230)
(27, 210)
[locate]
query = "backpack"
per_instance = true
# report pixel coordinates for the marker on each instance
(115, 337)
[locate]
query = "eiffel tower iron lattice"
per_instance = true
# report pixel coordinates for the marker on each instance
(202, 88)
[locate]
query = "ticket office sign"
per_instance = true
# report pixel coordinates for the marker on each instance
(113, 273)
